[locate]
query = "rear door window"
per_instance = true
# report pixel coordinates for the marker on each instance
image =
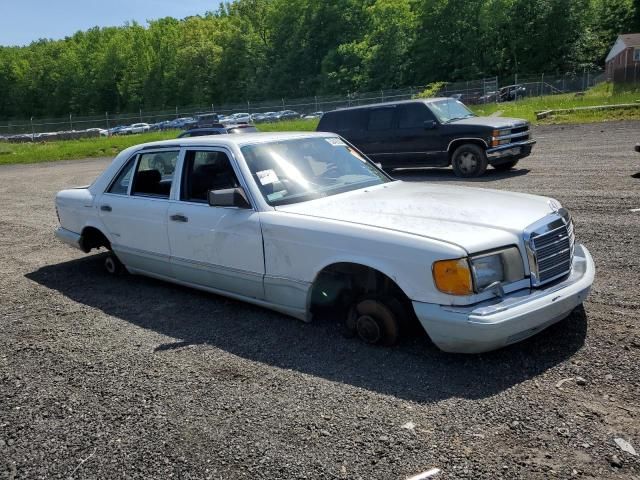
(154, 174)
(381, 119)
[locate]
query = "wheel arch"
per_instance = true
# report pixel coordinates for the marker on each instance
(364, 275)
(458, 142)
(93, 237)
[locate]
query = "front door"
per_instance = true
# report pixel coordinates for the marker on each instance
(216, 247)
(134, 211)
(418, 145)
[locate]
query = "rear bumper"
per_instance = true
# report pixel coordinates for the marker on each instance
(519, 315)
(68, 237)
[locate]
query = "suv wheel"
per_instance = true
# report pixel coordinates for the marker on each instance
(469, 161)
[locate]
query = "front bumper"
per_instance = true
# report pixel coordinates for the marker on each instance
(499, 322)
(68, 237)
(505, 152)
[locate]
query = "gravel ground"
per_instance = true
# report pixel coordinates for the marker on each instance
(135, 378)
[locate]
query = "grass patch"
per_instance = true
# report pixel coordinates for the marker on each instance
(603, 94)
(11, 153)
(290, 126)
(75, 149)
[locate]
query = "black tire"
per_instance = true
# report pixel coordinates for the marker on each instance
(113, 266)
(375, 320)
(469, 161)
(505, 167)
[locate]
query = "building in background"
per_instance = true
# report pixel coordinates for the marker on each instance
(623, 61)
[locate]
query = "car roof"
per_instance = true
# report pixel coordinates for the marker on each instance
(386, 104)
(238, 140)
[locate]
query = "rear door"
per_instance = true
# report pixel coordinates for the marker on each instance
(134, 211)
(380, 141)
(216, 247)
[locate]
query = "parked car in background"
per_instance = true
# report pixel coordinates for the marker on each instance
(100, 131)
(435, 132)
(313, 115)
(164, 125)
(206, 120)
(140, 128)
(507, 93)
(287, 115)
(238, 118)
(181, 123)
(219, 129)
(300, 221)
(117, 130)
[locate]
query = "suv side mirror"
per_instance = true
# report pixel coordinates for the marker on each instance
(430, 124)
(228, 197)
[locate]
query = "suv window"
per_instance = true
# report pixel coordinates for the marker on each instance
(154, 174)
(120, 185)
(413, 115)
(204, 171)
(381, 118)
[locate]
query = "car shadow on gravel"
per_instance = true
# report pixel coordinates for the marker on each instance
(414, 370)
(447, 175)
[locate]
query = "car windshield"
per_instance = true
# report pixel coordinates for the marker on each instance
(449, 110)
(298, 170)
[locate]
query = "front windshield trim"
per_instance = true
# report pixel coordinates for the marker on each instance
(298, 169)
(435, 107)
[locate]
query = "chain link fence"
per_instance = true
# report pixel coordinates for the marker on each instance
(486, 90)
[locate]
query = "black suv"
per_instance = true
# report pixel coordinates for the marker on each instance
(434, 132)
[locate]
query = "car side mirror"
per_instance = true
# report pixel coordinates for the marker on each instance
(430, 124)
(228, 197)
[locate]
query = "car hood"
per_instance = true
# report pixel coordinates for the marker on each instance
(494, 122)
(472, 218)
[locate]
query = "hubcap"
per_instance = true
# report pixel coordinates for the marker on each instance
(368, 329)
(467, 162)
(110, 265)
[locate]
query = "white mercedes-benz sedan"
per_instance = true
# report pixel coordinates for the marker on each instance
(300, 221)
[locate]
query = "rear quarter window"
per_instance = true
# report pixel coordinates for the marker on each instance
(341, 121)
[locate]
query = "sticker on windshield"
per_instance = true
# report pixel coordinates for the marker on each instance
(267, 177)
(336, 142)
(276, 195)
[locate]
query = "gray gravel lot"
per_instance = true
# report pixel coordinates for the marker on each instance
(135, 378)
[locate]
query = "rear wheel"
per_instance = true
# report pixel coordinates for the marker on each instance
(469, 161)
(504, 167)
(113, 266)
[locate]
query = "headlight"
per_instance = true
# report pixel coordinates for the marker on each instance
(465, 276)
(495, 134)
(504, 266)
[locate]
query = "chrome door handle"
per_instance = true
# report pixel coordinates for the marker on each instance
(179, 218)
(105, 208)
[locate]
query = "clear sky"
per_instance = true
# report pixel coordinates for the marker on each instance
(23, 21)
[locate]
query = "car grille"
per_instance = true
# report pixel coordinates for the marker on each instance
(551, 251)
(521, 133)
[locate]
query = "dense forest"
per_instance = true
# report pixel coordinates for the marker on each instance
(259, 49)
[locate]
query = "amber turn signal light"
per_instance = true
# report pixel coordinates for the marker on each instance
(453, 276)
